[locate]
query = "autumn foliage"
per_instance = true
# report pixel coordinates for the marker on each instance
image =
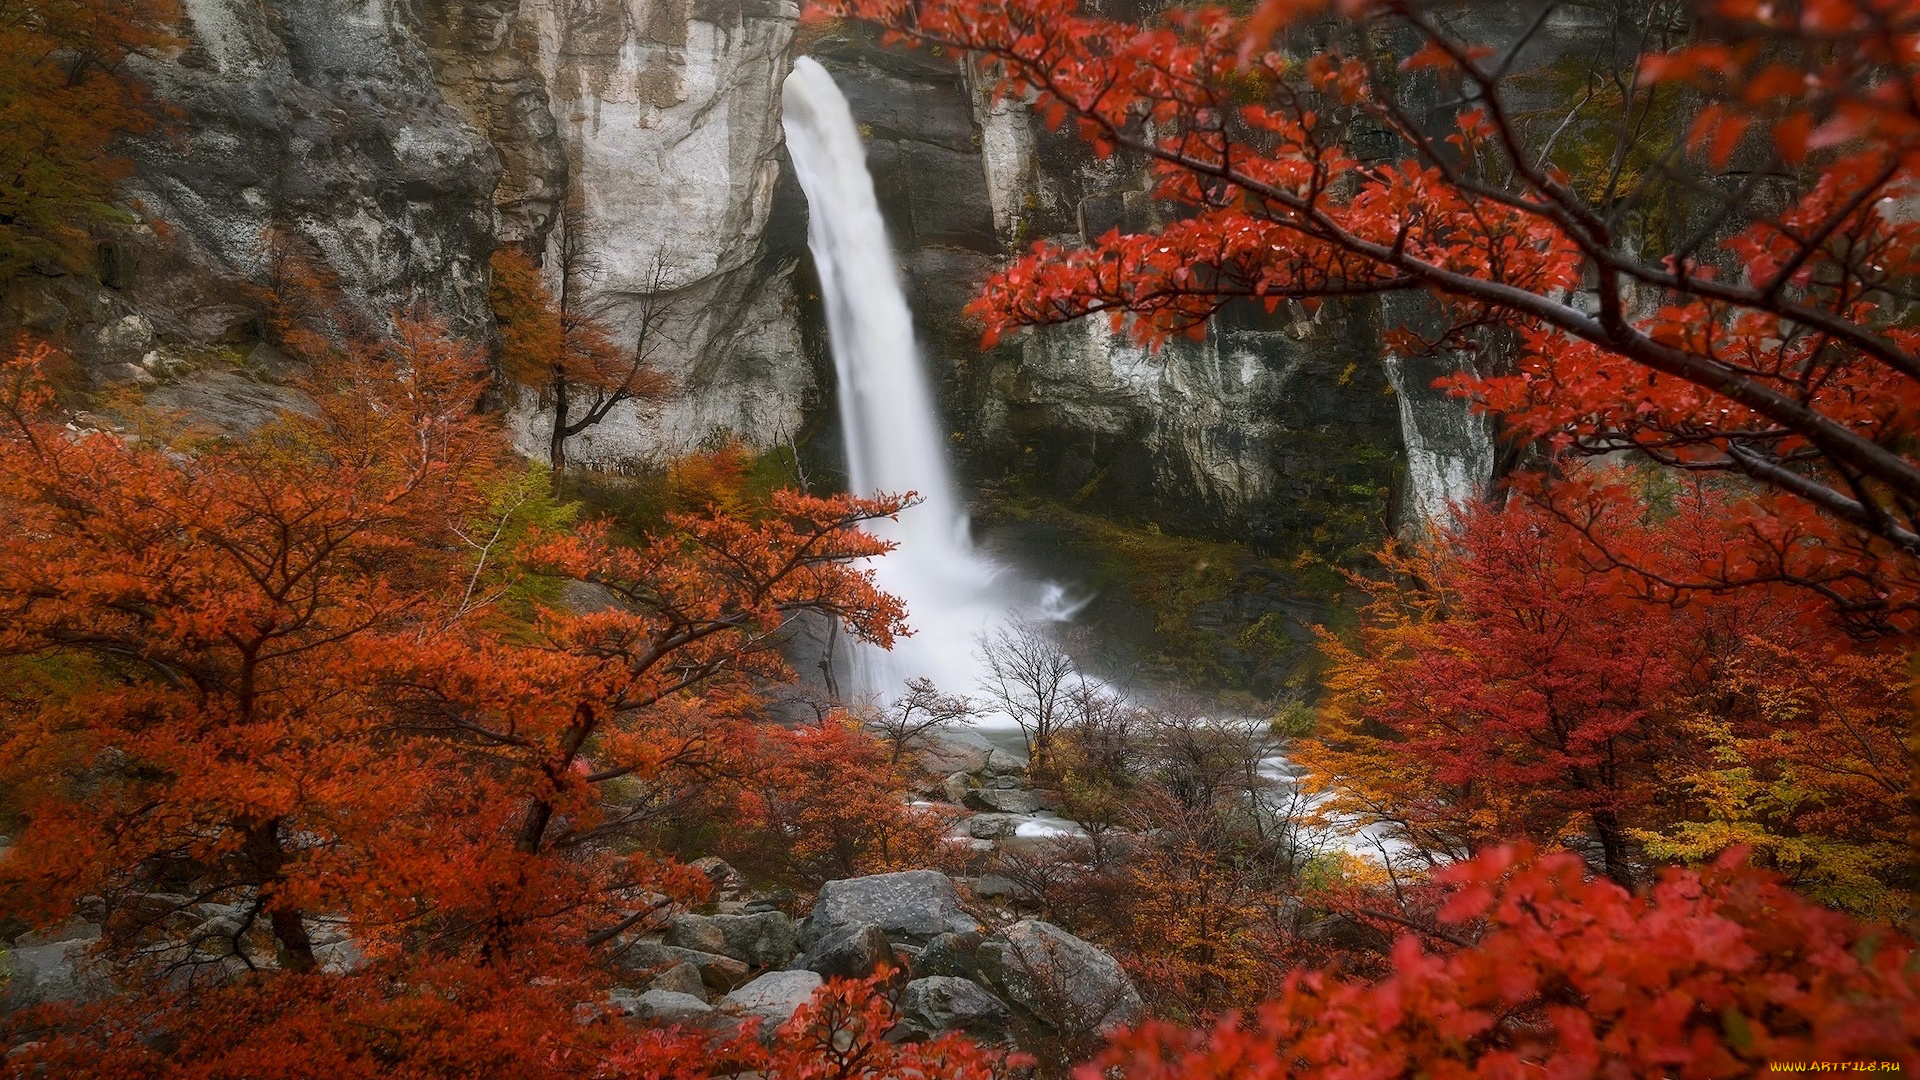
(65, 96)
(307, 722)
(1535, 968)
(1768, 342)
(368, 755)
(569, 358)
(1512, 681)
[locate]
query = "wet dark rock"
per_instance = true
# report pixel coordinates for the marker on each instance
(851, 951)
(1001, 801)
(950, 954)
(941, 1003)
(682, 978)
(763, 939)
(1070, 985)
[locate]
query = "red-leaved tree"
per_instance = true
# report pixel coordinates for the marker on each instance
(1537, 970)
(1724, 292)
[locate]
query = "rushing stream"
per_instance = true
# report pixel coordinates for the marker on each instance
(894, 438)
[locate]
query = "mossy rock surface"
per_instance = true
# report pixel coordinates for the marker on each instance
(1171, 611)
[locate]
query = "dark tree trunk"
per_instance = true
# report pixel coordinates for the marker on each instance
(289, 927)
(557, 445)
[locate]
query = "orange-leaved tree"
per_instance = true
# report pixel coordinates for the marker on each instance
(209, 623)
(568, 356)
(65, 96)
(1722, 289)
(343, 750)
(1537, 969)
(1510, 683)
(822, 801)
(587, 717)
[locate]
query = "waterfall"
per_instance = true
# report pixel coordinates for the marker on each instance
(894, 438)
(1449, 445)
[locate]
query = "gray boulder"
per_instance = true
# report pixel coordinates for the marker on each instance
(680, 979)
(910, 906)
(43, 974)
(852, 951)
(727, 881)
(650, 958)
(696, 932)
(942, 1003)
(959, 751)
(75, 929)
(662, 1007)
(763, 939)
(993, 826)
(957, 785)
(950, 954)
(997, 886)
(1066, 983)
(1001, 800)
(773, 997)
(1001, 767)
(343, 957)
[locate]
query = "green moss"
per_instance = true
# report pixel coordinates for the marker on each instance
(1220, 612)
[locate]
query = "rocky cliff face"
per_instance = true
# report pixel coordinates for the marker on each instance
(1267, 431)
(314, 130)
(397, 142)
(668, 112)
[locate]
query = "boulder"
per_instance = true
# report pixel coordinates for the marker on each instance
(763, 939)
(697, 932)
(957, 785)
(997, 885)
(1001, 800)
(773, 997)
(42, 974)
(942, 1003)
(660, 1006)
(961, 752)
(1066, 983)
(910, 906)
(1343, 933)
(343, 957)
(75, 929)
(993, 826)
(950, 954)
(680, 979)
(726, 880)
(1002, 765)
(649, 958)
(852, 951)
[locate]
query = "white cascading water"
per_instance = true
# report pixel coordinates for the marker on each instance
(893, 436)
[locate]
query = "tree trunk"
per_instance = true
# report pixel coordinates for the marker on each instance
(540, 812)
(289, 926)
(1613, 847)
(557, 445)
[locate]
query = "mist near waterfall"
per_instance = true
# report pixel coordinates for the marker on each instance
(894, 438)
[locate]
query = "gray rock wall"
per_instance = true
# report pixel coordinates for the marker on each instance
(399, 141)
(323, 119)
(1265, 431)
(668, 111)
